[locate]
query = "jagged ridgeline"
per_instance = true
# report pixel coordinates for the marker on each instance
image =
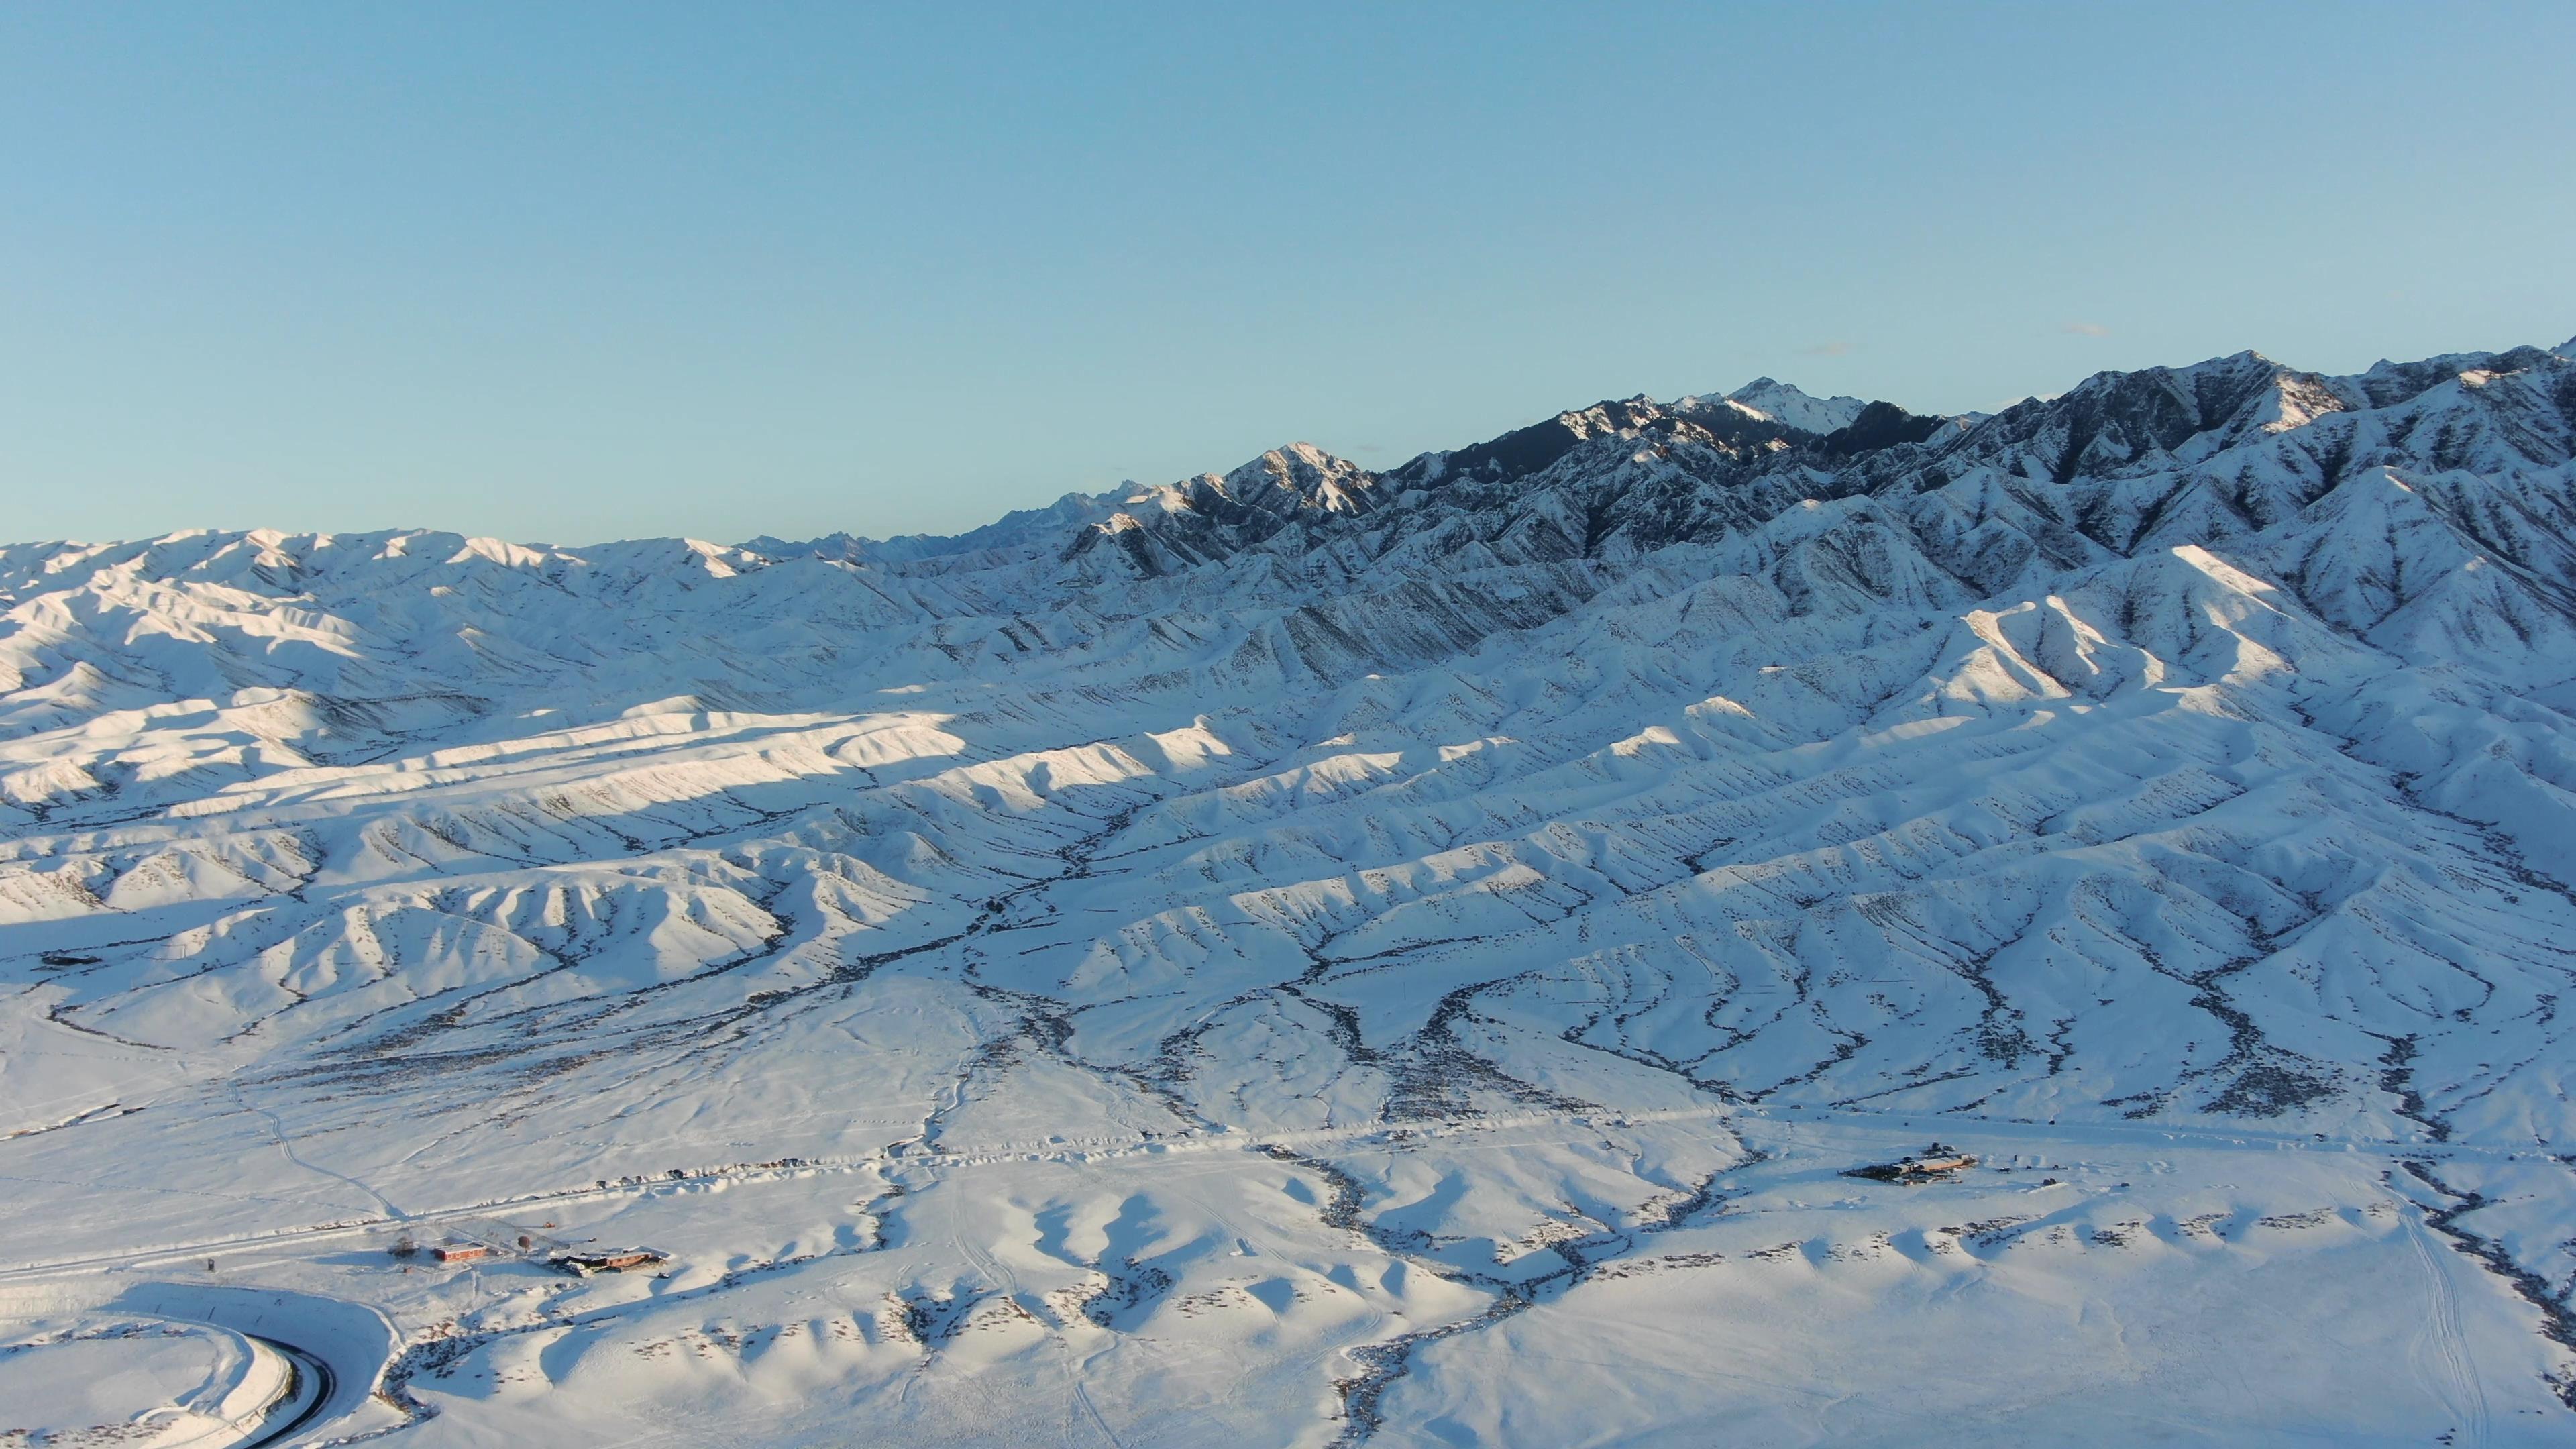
(2190, 751)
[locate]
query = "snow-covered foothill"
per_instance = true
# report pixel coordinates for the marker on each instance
(1314, 955)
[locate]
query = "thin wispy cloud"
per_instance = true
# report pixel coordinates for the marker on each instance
(2086, 329)
(1827, 349)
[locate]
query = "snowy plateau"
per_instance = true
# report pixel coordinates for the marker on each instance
(1314, 956)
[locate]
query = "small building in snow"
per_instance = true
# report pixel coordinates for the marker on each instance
(609, 1260)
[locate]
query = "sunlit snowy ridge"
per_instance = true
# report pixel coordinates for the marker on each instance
(1312, 955)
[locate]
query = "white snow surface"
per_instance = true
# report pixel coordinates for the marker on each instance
(1784, 403)
(1311, 956)
(147, 1383)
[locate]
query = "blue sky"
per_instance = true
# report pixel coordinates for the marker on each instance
(572, 272)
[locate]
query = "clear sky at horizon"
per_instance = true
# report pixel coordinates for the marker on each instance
(583, 271)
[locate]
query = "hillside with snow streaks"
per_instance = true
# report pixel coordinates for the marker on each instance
(1319, 955)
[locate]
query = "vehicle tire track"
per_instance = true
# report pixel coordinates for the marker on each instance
(2440, 1351)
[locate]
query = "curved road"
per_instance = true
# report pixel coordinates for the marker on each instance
(306, 1368)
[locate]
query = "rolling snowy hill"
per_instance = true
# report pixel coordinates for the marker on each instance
(1308, 955)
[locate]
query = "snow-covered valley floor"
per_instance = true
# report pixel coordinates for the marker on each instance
(1314, 957)
(2137, 1285)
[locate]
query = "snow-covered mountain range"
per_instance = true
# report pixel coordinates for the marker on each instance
(1072, 978)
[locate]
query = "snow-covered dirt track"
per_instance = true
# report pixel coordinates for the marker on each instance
(1310, 956)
